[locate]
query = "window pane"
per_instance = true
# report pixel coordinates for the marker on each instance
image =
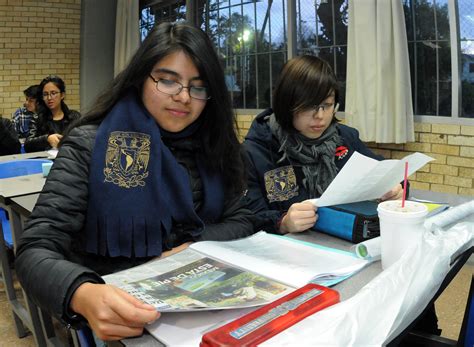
(429, 51)
(466, 24)
(445, 86)
(159, 13)
(322, 31)
(407, 8)
(246, 32)
(264, 82)
(426, 78)
(424, 20)
(442, 19)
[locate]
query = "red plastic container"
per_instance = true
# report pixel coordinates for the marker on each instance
(267, 321)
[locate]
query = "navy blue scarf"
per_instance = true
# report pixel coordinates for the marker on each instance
(137, 188)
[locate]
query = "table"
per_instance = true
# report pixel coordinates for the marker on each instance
(23, 205)
(23, 315)
(32, 155)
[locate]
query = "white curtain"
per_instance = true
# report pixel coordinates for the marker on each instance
(127, 33)
(378, 93)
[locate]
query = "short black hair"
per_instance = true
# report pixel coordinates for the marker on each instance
(304, 82)
(33, 91)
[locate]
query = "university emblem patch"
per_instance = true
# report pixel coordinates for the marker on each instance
(126, 159)
(280, 184)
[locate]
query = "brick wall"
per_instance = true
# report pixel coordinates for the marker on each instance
(38, 38)
(451, 145)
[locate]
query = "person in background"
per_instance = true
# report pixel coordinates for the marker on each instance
(22, 116)
(9, 143)
(156, 164)
(297, 148)
(54, 116)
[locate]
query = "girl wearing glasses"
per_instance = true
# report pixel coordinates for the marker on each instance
(53, 116)
(156, 164)
(297, 148)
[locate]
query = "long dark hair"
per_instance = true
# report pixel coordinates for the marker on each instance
(220, 145)
(43, 109)
(304, 82)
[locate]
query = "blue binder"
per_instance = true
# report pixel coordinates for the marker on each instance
(354, 222)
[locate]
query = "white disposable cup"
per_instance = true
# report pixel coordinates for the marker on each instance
(399, 228)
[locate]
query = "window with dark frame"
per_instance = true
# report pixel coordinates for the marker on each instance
(251, 39)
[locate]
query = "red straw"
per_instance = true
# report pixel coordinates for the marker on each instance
(405, 185)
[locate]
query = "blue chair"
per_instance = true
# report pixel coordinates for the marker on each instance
(82, 337)
(16, 168)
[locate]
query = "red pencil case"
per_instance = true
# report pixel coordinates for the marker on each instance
(267, 321)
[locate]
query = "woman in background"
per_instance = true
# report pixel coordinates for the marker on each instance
(54, 116)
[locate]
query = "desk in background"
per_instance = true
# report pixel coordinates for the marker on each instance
(32, 155)
(23, 315)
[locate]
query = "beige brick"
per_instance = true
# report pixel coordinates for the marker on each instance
(429, 177)
(444, 189)
(465, 172)
(418, 147)
(27, 39)
(425, 168)
(467, 130)
(467, 152)
(433, 138)
(461, 140)
(466, 191)
(394, 146)
(458, 181)
(419, 185)
(462, 162)
(383, 152)
(439, 158)
(400, 155)
(445, 169)
(445, 149)
(246, 118)
(423, 127)
(452, 129)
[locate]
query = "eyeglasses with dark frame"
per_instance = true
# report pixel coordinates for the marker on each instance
(171, 87)
(52, 94)
(327, 107)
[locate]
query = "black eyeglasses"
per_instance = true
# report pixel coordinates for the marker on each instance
(51, 95)
(171, 87)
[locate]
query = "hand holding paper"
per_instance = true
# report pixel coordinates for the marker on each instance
(364, 178)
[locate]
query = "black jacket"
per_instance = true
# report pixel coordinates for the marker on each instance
(9, 143)
(51, 262)
(262, 155)
(42, 125)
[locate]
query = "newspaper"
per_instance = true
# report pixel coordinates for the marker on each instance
(196, 282)
(234, 274)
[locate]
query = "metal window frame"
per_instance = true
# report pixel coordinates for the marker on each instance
(291, 35)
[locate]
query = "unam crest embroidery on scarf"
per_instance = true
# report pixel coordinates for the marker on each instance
(126, 160)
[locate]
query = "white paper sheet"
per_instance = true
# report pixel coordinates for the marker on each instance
(364, 178)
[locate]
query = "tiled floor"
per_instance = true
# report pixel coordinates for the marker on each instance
(450, 308)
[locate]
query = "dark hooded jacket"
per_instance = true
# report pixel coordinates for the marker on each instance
(51, 260)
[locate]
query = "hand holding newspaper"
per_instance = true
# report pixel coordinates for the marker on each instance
(364, 178)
